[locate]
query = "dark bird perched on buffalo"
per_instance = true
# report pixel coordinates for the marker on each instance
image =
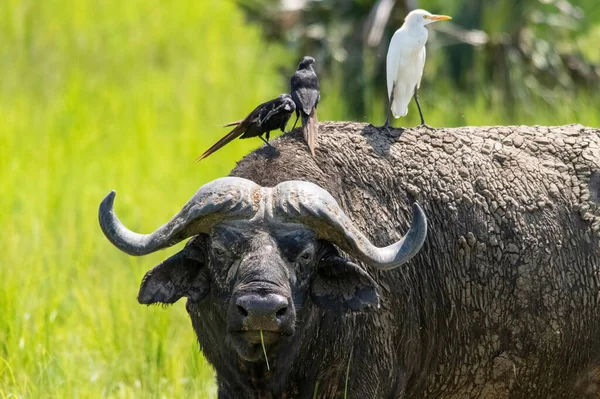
(305, 92)
(500, 302)
(269, 116)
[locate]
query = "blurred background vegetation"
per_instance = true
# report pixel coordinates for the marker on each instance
(104, 94)
(515, 58)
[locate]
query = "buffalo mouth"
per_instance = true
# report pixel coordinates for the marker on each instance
(253, 337)
(248, 344)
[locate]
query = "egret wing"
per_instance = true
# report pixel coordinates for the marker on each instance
(422, 57)
(400, 61)
(393, 61)
(402, 70)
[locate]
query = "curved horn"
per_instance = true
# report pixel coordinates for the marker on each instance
(220, 199)
(309, 204)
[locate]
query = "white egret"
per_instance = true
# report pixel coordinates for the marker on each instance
(405, 62)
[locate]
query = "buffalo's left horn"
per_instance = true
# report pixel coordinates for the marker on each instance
(225, 198)
(307, 203)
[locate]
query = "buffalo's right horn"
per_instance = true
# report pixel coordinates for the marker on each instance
(228, 197)
(309, 204)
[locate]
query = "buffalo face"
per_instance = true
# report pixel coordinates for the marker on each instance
(256, 258)
(255, 280)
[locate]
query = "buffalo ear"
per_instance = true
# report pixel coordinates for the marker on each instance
(182, 275)
(341, 285)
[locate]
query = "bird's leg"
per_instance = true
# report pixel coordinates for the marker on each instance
(389, 108)
(267, 140)
(387, 118)
(296, 121)
(423, 124)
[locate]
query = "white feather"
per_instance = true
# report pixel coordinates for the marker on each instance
(406, 59)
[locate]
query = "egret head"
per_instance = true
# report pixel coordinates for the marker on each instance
(306, 62)
(422, 18)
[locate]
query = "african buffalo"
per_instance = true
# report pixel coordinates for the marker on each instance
(502, 301)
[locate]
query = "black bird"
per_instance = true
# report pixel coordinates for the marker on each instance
(306, 95)
(272, 115)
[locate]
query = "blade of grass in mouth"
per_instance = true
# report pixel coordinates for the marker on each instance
(347, 374)
(316, 390)
(262, 341)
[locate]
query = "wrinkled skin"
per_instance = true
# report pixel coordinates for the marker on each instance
(501, 302)
(237, 259)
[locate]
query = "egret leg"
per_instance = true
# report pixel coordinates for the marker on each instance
(387, 116)
(389, 108)
(416, 97)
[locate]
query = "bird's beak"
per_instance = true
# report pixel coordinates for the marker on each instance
(439, 17)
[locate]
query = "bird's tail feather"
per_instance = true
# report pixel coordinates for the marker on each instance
(236, 132)
(310, 130)
(402, 96)
(232, 123)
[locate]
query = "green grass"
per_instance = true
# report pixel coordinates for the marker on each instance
(94, 99)
(101, 95)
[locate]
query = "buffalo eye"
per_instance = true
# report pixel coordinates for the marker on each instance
(306, 255)
(219, 251)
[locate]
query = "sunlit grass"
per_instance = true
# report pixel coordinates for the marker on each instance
(101, 95)
(97, 96)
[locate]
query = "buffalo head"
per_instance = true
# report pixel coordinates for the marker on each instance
(257, 256)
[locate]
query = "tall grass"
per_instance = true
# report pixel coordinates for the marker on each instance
(94, 96)
(101, 95)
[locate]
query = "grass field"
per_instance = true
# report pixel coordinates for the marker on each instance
(92, 99)
(101, 95)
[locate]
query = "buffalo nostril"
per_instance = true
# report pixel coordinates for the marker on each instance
(281, 312)
(242, 311)
(269, 306)
(268, 312)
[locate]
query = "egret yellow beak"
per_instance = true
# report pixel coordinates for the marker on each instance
(438, 17)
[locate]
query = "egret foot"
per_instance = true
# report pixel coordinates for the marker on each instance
(390, 130)
(389, 109)
(426, 126)
(385, 126)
